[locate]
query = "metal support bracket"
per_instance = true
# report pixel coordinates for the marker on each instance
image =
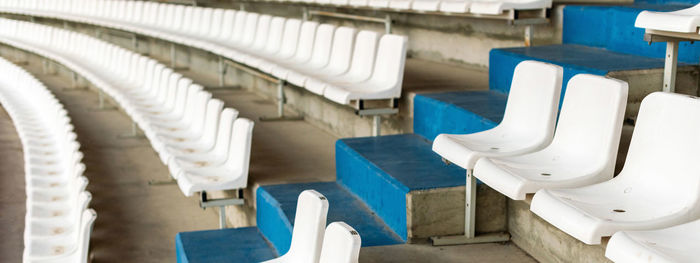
(670, 66)
(469, 236)
(204, 202)
(386, 20)
(671, 58)
(173, 58)
(281, 100)
(376, 114)
(223, 69)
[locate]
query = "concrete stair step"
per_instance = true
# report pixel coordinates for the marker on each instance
(245, 244)
(644, 74)
(406, 184)
(612, 28)
(457, 112)
(276, 207)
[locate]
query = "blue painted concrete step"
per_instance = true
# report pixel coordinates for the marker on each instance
(574, 58)
(457, 112)
(383, 170)
(276, 208)
(240, 245)
(612, 28)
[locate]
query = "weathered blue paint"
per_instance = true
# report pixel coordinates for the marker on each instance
(343, 206)
(575, 59)
(382, 170)
(240, 245)
(612, 28)
(457, 112)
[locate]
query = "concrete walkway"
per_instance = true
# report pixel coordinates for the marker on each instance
(137, 222)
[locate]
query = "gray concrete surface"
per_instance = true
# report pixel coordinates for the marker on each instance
(12, 194)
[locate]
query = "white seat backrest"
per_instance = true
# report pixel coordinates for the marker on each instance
(533, 100)
(274, 38)
(211, 123)
(197, 107)
(251, 25)
(224, 133)
(341, 244)
(196, 24)
(238, 27)
(664, 150)
(227, 25)
(290, 38)
(87, 222)
(309, 225)
(322, 45)
(389, 65)
(187, 18)
(341, 51)
(363, 56)
(168, 18)
(306, 41)
(178, 18)
(239, 149)
(262, 32)
(138, 12)
(152, 16)
(205, 22)
(183, 91)
(217, 17)
(590, 121)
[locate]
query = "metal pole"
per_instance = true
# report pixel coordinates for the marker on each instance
(280, 98)
(222, 72)
(74, 80)
(470, 205)
(101, 99)
(671, 62)
(44, 66)
(172, 56)
(528, 35)
(135, 43)
(387, 24)
(222, 217)
(376, 125)
(133, 129)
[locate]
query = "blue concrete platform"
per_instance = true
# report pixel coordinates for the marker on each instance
(276, 208)
(383, 170)
(612, 28)
(457, 112)
(240, 245)
(575, 59)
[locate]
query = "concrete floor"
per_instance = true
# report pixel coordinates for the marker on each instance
(137, 222)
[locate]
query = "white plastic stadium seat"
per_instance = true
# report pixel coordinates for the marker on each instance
(677, 244)
(528, 121)
(681, 21)
(385, 81)
(284, 48)
(232, 174)
(180, 119)
(584, 148)
(58, 222)
(341, 244)
(309, 226)
(657, 188)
